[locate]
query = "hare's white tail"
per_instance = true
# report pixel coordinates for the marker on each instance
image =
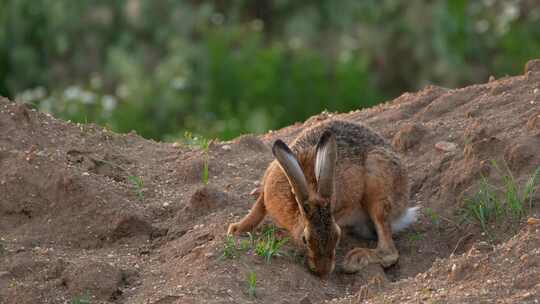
(408, 217)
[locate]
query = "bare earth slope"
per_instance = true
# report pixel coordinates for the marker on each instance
(74, 225)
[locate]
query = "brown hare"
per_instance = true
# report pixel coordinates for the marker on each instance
(336, 174)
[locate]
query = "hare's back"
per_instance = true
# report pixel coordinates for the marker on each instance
(353, 140)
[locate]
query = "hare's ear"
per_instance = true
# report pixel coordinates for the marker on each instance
(325, 164)
(288, 162)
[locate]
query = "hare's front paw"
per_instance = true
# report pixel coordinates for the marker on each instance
(233, 229)
(358, 258)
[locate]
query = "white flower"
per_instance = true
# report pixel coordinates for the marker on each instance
(32, 94)
(46, 105)
(482, 26)
(72, 92)
(87, 97)
(122, 91)
(108, 102)
(39, 93)
(178, 83)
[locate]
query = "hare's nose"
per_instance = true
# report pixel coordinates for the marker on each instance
(324, 269)
(324, 274)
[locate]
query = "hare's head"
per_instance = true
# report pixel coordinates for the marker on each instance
(321, 233)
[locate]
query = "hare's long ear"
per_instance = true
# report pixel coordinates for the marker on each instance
(325, 164)
(288, 162)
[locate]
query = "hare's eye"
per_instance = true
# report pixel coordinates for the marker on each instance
(304, 239)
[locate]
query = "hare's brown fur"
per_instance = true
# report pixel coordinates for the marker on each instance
(370, 190)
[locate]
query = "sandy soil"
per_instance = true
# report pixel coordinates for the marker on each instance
(75, 227)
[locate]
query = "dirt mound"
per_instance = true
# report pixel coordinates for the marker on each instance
(86, 213)
(507, 273)
(98, 279)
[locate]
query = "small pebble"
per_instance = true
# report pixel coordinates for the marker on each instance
(305, 300)
(446, 146)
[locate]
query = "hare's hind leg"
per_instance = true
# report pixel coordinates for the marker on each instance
(386, 253)
(379, 202)
(251, 220)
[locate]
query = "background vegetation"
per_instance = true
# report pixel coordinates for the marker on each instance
(221, 68)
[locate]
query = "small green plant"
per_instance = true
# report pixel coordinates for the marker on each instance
(204, 145)
(433, 216)
(510, 201)
(81, 300)
(229, 249)
(232, 247)
(252, 283)
(2, 247)
(530, 187)
(269, 245)
(484, 205)
(246, 245)
(415, 237)
(196, 141)
(138, 183)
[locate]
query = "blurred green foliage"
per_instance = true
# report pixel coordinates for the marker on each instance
(222, 68)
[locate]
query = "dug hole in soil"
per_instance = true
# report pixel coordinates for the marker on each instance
(87, 214)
